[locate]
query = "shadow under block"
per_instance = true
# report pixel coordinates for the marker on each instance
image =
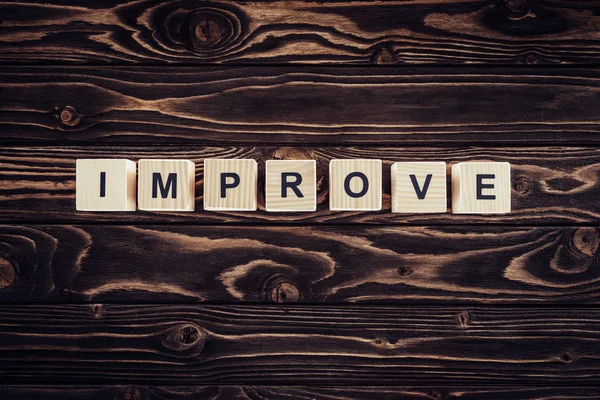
(105, 185)
(419, 187)
(291, 185)
(230, 184)
(166, 185)
(355, 184)
(481, 188)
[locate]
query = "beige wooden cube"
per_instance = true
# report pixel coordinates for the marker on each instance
(419, 187)
(105, 185)
(166, 185)
(230, 184)
(481, 188)
(355, 185)
(291, 185)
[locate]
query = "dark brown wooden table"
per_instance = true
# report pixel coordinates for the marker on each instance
(324, 305)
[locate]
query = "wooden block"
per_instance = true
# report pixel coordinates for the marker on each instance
(230, 184)
(166, 185)
(291, 185)
(481, 188)
(419, 187)
(105, 185)
(355, 185)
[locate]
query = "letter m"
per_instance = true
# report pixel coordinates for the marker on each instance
(157, 183)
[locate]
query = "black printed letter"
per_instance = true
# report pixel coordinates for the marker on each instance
(291, 185)
(225, 185)
(421, 193)
(157, 183)
(365, 181)
(481, 186)
(102, 184)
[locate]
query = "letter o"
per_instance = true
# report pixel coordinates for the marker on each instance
(365, 187)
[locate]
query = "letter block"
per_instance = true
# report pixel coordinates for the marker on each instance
(419, 187)
(230, 184)
(481, 188)
(355, 185)
(166, 185)
(105, 185)
(291, 185)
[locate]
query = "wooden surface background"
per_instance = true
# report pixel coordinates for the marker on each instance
(324, 305)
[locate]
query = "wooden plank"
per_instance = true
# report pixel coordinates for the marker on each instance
(262, 32)
(550, 185)
(274, 345)
(263, 105)
(138, 392)
(325, 265)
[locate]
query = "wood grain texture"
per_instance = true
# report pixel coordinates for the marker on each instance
(298, 345)
(266, 105)
(315, 32)
(143, 392)
(550, 185)
(324, 265)
(440, 306)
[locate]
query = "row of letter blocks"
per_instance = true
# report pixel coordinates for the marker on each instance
(290, 185)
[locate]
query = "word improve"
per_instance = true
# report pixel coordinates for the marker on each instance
(290, 185)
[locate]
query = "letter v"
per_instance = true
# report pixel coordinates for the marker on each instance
(421, 193)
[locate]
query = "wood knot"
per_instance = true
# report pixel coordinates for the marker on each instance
(7, 273)
(405, 271)
(383, 343)
(131, 393)
(188, 335)
(566, 357)
(186, 338)
(97, 310)
(291, 153)
(586, 240)
(521, 185)
(284, 292)
(208, 30)
(383, 56)
(435, 395)
(531, 59)
(69, 116)
(524, 18)
(516, 7)
(463, 319)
